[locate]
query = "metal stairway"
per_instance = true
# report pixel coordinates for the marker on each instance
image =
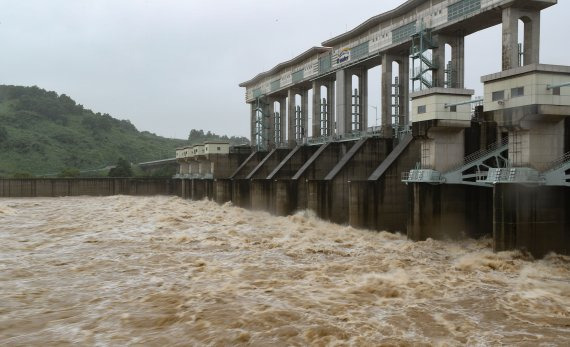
(422, 60)
(559, 172)
(261, 125)
(472, 170)
(475, 167)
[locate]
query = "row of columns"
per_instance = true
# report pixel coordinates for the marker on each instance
(340, 104)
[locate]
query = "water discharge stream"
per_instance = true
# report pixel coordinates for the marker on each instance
(162, 271)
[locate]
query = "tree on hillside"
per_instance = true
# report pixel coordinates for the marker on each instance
(22, 175)
(122, 169)
(3, 134)
(198, 136)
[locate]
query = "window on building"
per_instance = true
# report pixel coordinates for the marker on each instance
(453, 108)
(500, 95)
(219, 148)
(556, 91)
(516, 92)
(421, 109)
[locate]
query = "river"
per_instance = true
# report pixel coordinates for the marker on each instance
(162, 271)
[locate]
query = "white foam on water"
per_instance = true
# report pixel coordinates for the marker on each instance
(165, 271)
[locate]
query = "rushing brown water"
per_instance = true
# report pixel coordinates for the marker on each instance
(164, 271)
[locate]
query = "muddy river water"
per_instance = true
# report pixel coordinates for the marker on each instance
(162, 271)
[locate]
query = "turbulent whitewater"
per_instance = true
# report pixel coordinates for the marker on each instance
(162, 271)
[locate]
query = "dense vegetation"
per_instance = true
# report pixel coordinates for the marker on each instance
(198, 136)
(42, 132)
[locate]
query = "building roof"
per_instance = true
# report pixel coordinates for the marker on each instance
(326, 45)
(216, 143)
(298, 59)
(374, 21)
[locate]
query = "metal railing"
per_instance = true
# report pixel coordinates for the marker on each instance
(425, 176)
(473, 157)
(558, 163)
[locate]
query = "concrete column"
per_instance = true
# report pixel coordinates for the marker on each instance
(252, 119)
(458, 61)
(510, 38)
(343, 101)
(387, 80)
(531, 47)
(404, 74)
(538, 145)
(316, 124)
(193, 167)
(204, 167)
(291, 118)
(304, 114)
(442, 148)
(283, 116)
(184, 168)
(439, 60)
(531, 37)
(222, 190)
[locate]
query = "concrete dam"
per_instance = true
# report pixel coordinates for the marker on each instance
(441, 165)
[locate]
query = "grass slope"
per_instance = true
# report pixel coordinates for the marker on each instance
(42, 132)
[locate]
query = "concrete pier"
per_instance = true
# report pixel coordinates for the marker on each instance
(381, 202)
(449, 212)
(262, 195)
(535, 219)
(317, 167)
(241, 192)
(222, 190)
(358, 163)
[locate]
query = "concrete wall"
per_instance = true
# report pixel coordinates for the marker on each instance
(318, 167)
(247, 166)
(536, 219)
(201, 189)
(537, 147)
(241, 193)
(358, 167)
(443, 148)
(295, 162)
(383, 204)
(222, 190)
(449, 211)
(435, 107)
(54, 187)
(535, 92)
(224, 165)
(216, 148)
(269, 163)
(262, 195)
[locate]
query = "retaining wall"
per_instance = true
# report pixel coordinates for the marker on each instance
(55, 187)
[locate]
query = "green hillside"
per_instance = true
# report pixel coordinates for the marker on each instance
(42, 132)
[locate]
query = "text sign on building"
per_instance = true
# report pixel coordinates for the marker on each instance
(343, 56)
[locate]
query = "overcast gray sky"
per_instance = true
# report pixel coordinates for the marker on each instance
(172, 65)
